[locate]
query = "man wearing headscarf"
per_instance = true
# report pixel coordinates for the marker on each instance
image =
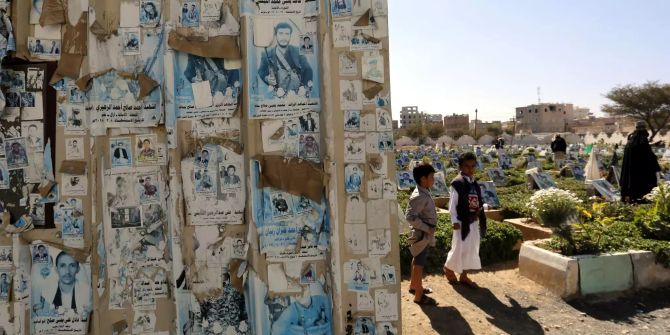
(639, 166)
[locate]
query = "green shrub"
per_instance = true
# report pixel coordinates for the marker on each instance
(495, 247)
(514, 200)
(611, 236)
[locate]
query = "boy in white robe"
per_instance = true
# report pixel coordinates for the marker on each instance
(468, 218)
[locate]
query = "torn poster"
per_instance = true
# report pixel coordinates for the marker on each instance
(61, 299)
(289, 226)
(373, 67)
(214, 188)
(356, 276)
(278, 8)
(356, 238)
(224, 86)
(113, 102)
(310, 313)
(283, 77)
(386, 305)
(379, 242)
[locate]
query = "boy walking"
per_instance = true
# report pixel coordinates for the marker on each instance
(422, 216)
(468, 218)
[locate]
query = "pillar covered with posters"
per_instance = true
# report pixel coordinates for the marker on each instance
(197, 167)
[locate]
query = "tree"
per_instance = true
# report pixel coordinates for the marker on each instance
(494, 130)
(416, 131)
(435, 130)
(649, 102)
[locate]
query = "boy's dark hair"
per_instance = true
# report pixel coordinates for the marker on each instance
(468, 156)
(422, 170)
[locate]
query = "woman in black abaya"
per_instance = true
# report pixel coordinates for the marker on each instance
(639, 166)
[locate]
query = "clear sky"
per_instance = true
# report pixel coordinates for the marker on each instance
(452, 56)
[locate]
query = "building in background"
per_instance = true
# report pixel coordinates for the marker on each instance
(608, 125)
(456, 124)
(548, 117)
(410, 115)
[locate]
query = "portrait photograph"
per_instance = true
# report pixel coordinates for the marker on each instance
(6, 256)
(60, 292)
(44, 48)
(147, 188)
(189, 14)
(384, 120)
(498, 177)
(5, 284)
(15, 153)
(76, 120)
(205, 180)
(74, 185)
(405, 180)
(130, 41)
(34, 79)
(229, 176)
(577, 172)
(352, 120)
(489, 194)
(287, 67)
(307, 44)
(351, 94)
(150, 13)
(354, 148)
(282, 204)
(74, 148)
(341, 8)
(146, 149)
(224, 85)
(33, 132)
(353, 178)
(309, 147)
(120, 152)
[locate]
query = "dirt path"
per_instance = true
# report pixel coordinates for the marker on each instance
(510, 304)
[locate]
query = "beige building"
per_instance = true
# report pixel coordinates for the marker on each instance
(548, 117)
(456, 124)
(410, 115)
(608, 125)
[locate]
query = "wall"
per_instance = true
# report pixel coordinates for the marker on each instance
(196, 178)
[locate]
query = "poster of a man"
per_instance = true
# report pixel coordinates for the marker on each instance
(221, 81)
(69, 289)
(120, 150)
(15, 151)
(146, 149)
(5, 285)
(353, 178)
(280, 205)
(229, 176)
(148, 191)
(283, 68)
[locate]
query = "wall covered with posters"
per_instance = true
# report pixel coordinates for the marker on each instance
(197, 167)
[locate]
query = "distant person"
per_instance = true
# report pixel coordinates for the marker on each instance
(499, 143)
(639, 166)
(559, 147)
(467, 216)
(422, 216)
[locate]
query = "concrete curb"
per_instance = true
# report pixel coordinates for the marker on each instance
(591, 275)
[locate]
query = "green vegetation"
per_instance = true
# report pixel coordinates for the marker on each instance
(497, 246)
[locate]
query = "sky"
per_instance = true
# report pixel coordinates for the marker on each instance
(451, 56)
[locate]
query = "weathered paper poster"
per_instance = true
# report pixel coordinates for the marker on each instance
(289, 226)
(282, 53)
(279, 8)
(61, 299)
(214, 187)
(190, 72)
(308, 313)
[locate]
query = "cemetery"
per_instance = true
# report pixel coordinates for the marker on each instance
(571, 235)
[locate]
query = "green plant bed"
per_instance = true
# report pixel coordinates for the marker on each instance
(617, 236)
(514, 201)
(497, 246)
